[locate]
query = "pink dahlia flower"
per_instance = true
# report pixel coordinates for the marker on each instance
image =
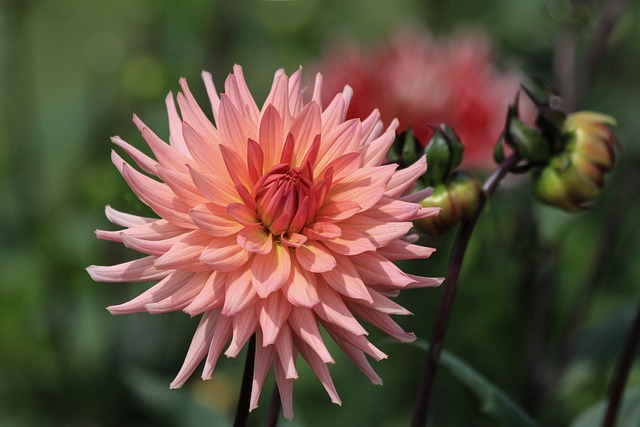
(423, 81)
(273, 221)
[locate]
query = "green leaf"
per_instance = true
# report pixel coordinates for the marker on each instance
(491, 400)
(628, 415)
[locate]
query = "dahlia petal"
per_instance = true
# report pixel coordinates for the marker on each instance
(358, 357)
(271, 270)
(321, 371)
(220, 337)
(271, 136)
(139, 270)
(285, 389)
(418, 196)
(181, 298)
(378, 148)
(334, 114)
(193, 114)
(255, 160)
(241, 213)
(377, 270)
(344, 166)
(381, 233)
(163, 289)
(236, 87)
(238, 292)
(236, 166)
(317, 89)
(295, 93)
(424, 282)
(210, 296)
(306, 125)
(339, 211)
(293, 240)
(182, 185)
(244, 326)
(176, 139)
(314, 257)
(279, 97)
(216, 189)
(124, 219)
(286, 352)
(214, 98)
(331, 308)
(341, 139)
(224, 254)
(234, 131)
(167, 156)
(364, 196)
(384, 305)
(389, 210)
(145, 162)
(214, 220)
(401, 249)
(154, 194)
(148, 246)
(404, 179)
(198, 348)
(383, 322)
(185, 253)
(345, 279)
(112, 236)
(322, 231)
(358, 341)
(204, 151)
(255, 238)
(371, 129)
(351, 242)
(273, 312)
(304, 324)
(263, 358)
(300, 288)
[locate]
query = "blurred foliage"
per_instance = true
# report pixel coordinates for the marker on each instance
(545, 298)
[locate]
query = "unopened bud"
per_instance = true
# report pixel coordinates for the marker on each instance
(457, 199)
(575, 176)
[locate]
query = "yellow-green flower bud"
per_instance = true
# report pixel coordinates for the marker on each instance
(457, 199)
(575, 176)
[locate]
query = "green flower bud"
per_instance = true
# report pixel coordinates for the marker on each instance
(444, 154)
(575, 176)
(457, 199)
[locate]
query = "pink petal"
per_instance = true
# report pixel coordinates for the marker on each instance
(271, 136)
(224, 254)
(285, 388)
(255, 238)
(181, 298)
(270, 271)
(345, 279)
(219, 339)
(214, 99)
(358, 341)
(124, 219)
(383, 322)
(305, 126)
(338, 211)
(358, 357)
(377, 270)
(300, 288)
(243, 214)
(332, 309)
(263, 358)
(239, 292)
(193, 114)
(167, 156)
(405, 179)
(211, 295)
(214, 220)
(244, 325)
(424, 282)
(236, 87)
(145, 162)
(286, 352)
(322, 231)
(198, 348)
(185, 253)
(303, 322)
(273, 312)
(321, 371)
(139, 270)
(163, 289)
(182, 185)
(314, 257)
(295, 92)
(377, 149)
(176, 139)
(401, 249)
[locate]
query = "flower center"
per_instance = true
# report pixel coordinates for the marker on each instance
(283, 198)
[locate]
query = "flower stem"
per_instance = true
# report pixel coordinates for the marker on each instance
(420, 413)
(620, 377)
(242, 411)
(274, 408)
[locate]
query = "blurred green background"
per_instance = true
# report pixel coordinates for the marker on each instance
(545, 297)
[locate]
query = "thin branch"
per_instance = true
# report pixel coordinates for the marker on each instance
(619, 380)
(420, 414)
(242, 410)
